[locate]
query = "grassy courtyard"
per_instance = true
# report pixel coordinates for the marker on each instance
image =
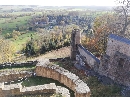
(33, 81)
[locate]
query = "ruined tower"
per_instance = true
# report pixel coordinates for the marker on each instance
(75, 40)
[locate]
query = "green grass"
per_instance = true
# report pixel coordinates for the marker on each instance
(21, 41)
(58, 63)
(10, 25)
(100, 90)
(33, 81)
(97, 88)
(17, 13)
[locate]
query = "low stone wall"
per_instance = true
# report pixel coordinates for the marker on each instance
(16, 65)
(45, 69)
(16, 90)
(89, 58)
(14, 75)
(8, 75)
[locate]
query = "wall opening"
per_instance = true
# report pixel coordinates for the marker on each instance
(121, 62)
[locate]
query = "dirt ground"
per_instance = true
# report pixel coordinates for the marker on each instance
(60, 53)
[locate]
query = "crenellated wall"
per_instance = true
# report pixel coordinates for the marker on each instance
(63, 76)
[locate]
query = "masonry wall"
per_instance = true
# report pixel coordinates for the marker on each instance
(63, 76)
(14, 75)
(17, 65)
(115, 64)
(75, 39)
(111, 68)
(77, 36)
(16, 90)
(90, 59)
(119, 44)
(8, 75)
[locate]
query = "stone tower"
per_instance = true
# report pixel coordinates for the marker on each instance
(75, 40)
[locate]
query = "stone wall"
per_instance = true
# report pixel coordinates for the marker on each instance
(16, 90)
(89, 58)
(75, 40)
(118, 43)
(7, 74)
(115, 64)
(14, 75)
(45, 69)
(16, 65)
(77, 36)
(112, 68)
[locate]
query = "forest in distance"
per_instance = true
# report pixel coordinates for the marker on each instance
(32, 30)
(32, 33)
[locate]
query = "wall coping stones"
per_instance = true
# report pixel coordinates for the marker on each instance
(119, 38)
(89, 53)
(62, 75)
(80, 86)
(28, 90)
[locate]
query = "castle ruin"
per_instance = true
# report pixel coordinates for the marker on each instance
(115, 64)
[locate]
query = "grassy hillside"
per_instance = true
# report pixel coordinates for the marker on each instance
(21, 41)
(8, 25)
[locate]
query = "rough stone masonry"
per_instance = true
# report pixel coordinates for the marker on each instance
(63, 76)
(16, 90)
(115, 64)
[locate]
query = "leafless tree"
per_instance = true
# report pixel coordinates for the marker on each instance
(123, 15)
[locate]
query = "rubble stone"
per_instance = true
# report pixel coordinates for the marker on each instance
(64, 76)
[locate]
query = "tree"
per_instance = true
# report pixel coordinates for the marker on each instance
(0, 30)
(96, 41)
(7, 51)
(29, 49)
(123, 16)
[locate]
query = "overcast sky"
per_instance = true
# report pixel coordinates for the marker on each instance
(59, 2)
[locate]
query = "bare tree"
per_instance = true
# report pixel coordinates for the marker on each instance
(123, 16)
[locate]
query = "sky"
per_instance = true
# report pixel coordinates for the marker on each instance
(59, 2)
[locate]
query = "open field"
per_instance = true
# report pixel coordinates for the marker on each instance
(8, 25)
(21, 41)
